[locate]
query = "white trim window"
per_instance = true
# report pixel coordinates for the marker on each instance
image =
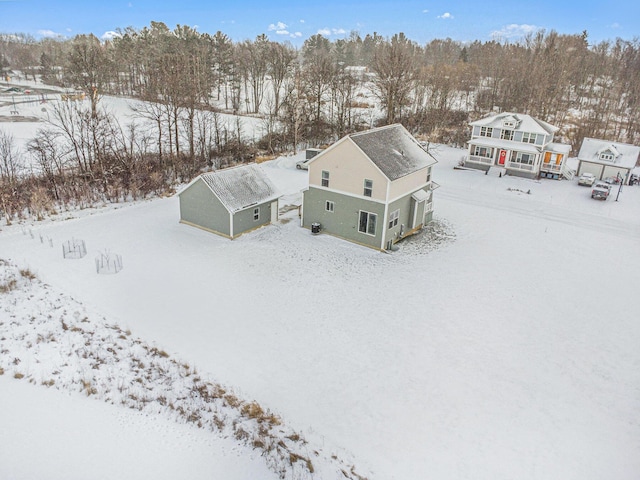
(523, 158)
(367, 223)
(393, 218)
(325, 178)
(368, 187)
(529, 137)
(607, 156)
(428, 174)
(486, 131)
(506, 134)
(329, 206)
(486, 152)
(256, 214)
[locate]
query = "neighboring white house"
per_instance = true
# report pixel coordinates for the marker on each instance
(519, 144)
(230, 202)
(607, 159)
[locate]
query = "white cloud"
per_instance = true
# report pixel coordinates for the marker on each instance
(332, 31)
(48, 33)
(446, 16)
(615, 26)
(281, 28)
(513, 31)
(110, 35)
(425, 11)
(277, 26)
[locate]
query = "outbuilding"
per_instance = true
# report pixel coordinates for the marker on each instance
(230, 202)
(605, 159)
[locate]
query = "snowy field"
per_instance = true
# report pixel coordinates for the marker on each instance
(500, 343)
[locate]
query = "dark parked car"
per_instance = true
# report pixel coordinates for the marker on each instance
(601, 191)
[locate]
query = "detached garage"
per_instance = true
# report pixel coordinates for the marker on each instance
(230, 202)
(607, 159)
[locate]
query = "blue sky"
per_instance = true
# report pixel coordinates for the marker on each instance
(295, 21)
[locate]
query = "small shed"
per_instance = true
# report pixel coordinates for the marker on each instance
(604, 159)
(230, 202)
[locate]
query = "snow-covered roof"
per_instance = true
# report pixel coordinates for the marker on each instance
(524, 123)
(393, 150)
(625, 155)
(240, 187)
(559, 148)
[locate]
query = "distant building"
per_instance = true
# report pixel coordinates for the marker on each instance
(230, 202)
(607, 159)
(519, 144)
(372, 188)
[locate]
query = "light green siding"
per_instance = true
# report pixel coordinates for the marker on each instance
(243, 220)
(405, 205)
(343, 221)
(200, 207)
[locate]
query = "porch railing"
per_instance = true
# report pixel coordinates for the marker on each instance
(550, 167)
(520, 166)
(478, 159)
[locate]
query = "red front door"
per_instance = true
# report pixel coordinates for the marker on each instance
(502, 158)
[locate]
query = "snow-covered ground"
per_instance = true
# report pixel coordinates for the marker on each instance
(501, 343)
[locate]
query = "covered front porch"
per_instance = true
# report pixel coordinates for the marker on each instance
(519, 159)
(554, 162)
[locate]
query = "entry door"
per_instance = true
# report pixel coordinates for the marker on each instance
(502, 157)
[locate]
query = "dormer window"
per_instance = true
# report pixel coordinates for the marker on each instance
(510, 122)
(606, 155)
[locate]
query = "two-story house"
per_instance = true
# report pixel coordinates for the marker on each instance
(519, 144)
(373, 187)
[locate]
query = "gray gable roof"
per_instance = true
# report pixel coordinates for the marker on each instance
(393, 150)
(240, 187)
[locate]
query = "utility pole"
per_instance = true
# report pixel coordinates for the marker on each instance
(620, 187)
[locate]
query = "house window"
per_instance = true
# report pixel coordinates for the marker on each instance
(506, 134)
(256, 214)
(325, 178)
(606, 156)
(329, 206)
(368, 188)
(393, 218)
(367, 223)
(483, 152)
(486, 131)
(428, 174)
(529, 137)
(524, 158)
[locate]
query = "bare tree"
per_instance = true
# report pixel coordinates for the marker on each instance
(395, 68)
(11, 166)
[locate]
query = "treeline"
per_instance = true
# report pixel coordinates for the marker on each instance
(307, 96)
